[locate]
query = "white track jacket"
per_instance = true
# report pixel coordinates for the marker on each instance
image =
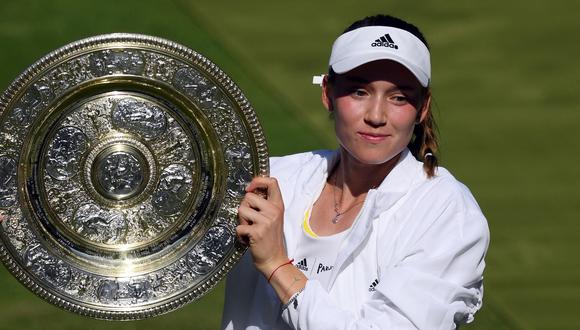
(414, 257)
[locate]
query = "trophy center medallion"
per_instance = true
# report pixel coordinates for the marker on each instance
(119, 173)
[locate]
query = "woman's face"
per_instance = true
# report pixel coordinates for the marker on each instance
(375, 109)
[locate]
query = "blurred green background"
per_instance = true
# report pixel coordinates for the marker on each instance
(505, 82)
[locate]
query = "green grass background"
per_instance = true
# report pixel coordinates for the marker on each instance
(506, 88)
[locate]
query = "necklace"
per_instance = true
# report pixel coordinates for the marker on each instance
(337, 212)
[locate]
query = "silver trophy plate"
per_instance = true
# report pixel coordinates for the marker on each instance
(123, 159)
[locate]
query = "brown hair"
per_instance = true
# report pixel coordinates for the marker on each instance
(424, 144)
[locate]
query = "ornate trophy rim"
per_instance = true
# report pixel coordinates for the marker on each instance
(212, 72)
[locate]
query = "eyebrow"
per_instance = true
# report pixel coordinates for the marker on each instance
(361, 80)
(357, 79)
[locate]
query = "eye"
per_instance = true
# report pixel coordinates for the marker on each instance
(359, 92)
(399, 99)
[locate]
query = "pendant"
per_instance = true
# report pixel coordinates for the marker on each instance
(336, 218)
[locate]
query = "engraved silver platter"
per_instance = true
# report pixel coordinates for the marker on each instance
(123, 159)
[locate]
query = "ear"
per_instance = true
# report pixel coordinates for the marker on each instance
(425, 108)
(327, 93)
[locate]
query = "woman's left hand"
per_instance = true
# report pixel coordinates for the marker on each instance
(261, 222)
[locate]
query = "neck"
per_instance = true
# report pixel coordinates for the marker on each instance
(356, 179)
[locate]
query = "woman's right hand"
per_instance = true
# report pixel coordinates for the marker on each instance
(261, 221)
(261, 227)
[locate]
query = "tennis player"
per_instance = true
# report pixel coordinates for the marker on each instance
(374, 235)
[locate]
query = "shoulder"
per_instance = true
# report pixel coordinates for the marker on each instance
(290, 166)
(445, 190)
(409, 179)
(442, 207)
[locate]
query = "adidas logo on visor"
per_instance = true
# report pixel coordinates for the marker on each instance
(385, 41)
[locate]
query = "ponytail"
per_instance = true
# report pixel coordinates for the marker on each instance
(424, 145)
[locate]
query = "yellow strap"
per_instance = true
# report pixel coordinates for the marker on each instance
(306, 224)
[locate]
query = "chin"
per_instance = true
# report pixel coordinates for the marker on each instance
(374, 158)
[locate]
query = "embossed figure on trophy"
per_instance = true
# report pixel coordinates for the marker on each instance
(139, 291)
(174, 147)
(192, 83)
(143, 224)
(96, 113)
(174, 188)
(65, 152)
(125, 292)
(7, 181)
(38, 260)
(120, 174)
(239, 157)
(108, 291)
(84, 284)
(199, 261)
(128, 62)
(161, 284)
(26, 109)
(45, 92)
(159, 66)
(62, 79)
(116, 61)
(60, 198)
(138, 116)
(100, 225)
(209, 97)
(209, 251)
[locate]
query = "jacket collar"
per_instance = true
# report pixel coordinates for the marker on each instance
(393, 187)
(314, 183)
(396, 184)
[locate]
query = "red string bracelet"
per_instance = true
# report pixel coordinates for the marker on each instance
(282, 265)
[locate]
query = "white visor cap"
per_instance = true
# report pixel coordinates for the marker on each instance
(371, 43)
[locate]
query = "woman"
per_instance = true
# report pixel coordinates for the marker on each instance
(367, 236)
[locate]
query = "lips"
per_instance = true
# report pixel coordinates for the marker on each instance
(372, 137)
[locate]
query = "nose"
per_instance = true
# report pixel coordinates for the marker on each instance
(376, 112)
